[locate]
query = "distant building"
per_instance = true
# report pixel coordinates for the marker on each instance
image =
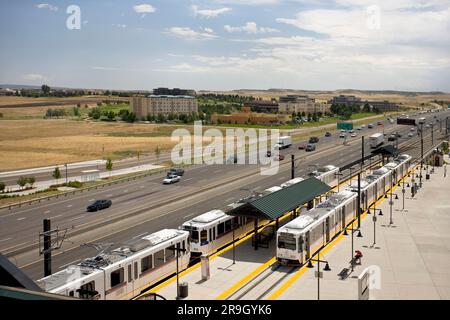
(248, 117)
(173, 92)
(263, 106)
(382, 106)
(353, 101)
(349, 101)
(301, 104)
(157, 104)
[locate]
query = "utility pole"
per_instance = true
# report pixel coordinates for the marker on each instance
(292, 166)
(421, 154)
(362, 152)
(47, 248)
(432, 134)
(359, 200)
(66, 172)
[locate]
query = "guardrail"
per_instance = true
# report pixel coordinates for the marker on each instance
(81, 190)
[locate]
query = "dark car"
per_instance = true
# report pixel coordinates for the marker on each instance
(392, 137)
(399, 135)
(99, 205)
(176, 171)
(310, 147)
(313, 139)
(269, 154)
(328, 134)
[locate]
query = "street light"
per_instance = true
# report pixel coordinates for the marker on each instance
(359, 236)
(402, 183)
(319, 274)
(177, 249)
(391, 202)
(374, 219)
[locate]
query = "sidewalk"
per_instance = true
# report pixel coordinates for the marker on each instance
(413, 254)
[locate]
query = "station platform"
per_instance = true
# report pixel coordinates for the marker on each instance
(412, 255)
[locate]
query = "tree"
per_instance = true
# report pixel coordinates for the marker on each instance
(110, 115)
(76, 111)
(22, 181)
(95, 113)
(31, 181)
(2, 186)
(45, 89)
(56, 174)
(109, 165)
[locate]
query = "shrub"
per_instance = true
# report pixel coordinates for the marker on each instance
(74, 184)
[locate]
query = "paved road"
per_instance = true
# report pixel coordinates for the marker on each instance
(145, 202)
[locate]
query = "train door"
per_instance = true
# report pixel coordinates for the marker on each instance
(327, 230)
(307, 245)
(130, 279)
(300, 250)
(343, 217)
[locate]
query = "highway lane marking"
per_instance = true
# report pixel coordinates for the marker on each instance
(91, 200)
(48, 211)
(76, 218)
(20, 219)
(140, 235)
(229, 199)
(68, 264)
(109, 195)
(59, 215)
(70, 205)
(3, 240)
(17, 245)
(189, 215)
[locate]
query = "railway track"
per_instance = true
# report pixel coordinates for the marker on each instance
(264, 283)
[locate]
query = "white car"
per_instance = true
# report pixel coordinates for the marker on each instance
(410, 134)
(353, 134)
(171, 179)
(342, 135)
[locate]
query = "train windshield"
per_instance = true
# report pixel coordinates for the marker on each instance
(194, 236)
(286, 241)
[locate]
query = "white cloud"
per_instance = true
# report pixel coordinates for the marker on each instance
(250, 2)
(189, 34)
(249, 27)
(209, 13)
(34, 77)
(122, 26)
(47, 6)
(144, 8)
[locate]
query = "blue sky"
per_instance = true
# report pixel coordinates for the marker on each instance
(228, 44)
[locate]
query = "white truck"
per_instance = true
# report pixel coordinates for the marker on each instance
(376, 140)
(283, 142)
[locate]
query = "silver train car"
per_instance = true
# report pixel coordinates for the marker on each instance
(213, 230)
(125, 272)
(327, 174)
(379, 181)
(299, 240)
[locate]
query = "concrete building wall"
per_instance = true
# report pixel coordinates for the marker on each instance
(154, 105)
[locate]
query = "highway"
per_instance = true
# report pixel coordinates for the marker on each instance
(149, 206)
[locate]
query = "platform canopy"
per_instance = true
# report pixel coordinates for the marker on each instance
(387, 150)
(276, 204)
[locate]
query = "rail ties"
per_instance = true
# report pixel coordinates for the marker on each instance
(264, 283)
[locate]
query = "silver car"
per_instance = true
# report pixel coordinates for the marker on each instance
(171, 179)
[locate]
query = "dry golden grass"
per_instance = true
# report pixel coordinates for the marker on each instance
(36, 143)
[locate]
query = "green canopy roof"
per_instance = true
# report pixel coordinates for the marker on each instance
(276, 204)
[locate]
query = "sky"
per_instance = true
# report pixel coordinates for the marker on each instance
(227, 44)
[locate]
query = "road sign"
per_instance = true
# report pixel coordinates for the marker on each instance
(345, 125)
(406, 121)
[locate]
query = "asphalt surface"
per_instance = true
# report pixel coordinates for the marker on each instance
(150, 206)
